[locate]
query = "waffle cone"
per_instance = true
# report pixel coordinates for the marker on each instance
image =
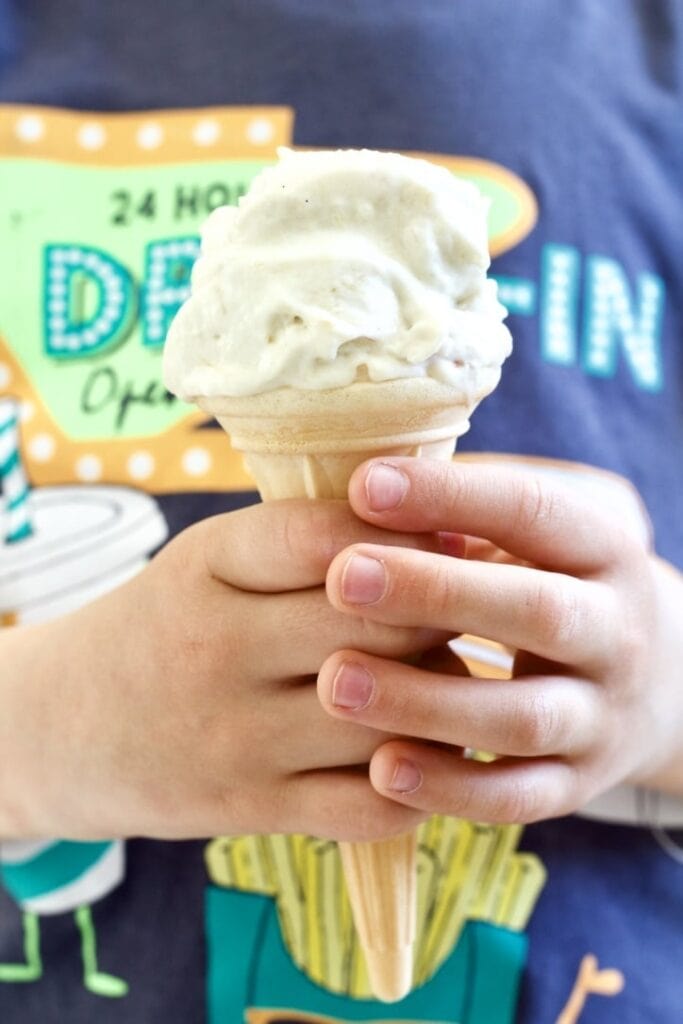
(381, 880)
(307, 444)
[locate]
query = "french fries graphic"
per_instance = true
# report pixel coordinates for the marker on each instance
(465, 871)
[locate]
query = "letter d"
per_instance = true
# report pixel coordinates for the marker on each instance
(89, 300)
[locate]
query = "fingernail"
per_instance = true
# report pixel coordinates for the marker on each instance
(385, 487)
(407, 777)
(352, 686)
(364, 580)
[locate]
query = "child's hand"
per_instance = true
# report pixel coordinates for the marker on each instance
(184, 702)
(596, 696)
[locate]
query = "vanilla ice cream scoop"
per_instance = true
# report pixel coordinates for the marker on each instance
(338, 267)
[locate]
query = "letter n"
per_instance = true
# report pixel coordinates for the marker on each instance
(615, 318)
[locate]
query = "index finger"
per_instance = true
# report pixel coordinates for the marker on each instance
(536, 518)
(288, 545)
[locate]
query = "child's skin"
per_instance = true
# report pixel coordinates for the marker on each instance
(597, 695)
(183, 703)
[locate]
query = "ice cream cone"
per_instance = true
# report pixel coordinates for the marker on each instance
(340, 311)
(307, 444)
(381, 881)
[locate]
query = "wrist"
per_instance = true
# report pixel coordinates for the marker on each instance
(24, 686)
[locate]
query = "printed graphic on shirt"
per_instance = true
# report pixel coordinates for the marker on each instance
(93, 280)
(590, 981)
(100, 215)
(621, 319)
(475, 896)
(85, 299)
(62, 547)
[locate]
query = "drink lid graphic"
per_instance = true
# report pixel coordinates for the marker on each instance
(85, 541)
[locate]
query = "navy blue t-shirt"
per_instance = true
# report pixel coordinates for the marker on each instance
(583, 103)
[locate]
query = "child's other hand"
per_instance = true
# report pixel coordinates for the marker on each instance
(184, 702)
(596, 696)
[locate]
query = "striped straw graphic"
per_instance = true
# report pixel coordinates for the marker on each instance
(15, 489)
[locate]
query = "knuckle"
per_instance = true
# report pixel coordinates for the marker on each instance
(519, 802)
(463, 802)
(429, 588)
(393, 706)
(299, 526)
(537, 724)
(443, 485)
(420, 587)
(313, 530)
(555, 611)
(536, 506)
(441, 590)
